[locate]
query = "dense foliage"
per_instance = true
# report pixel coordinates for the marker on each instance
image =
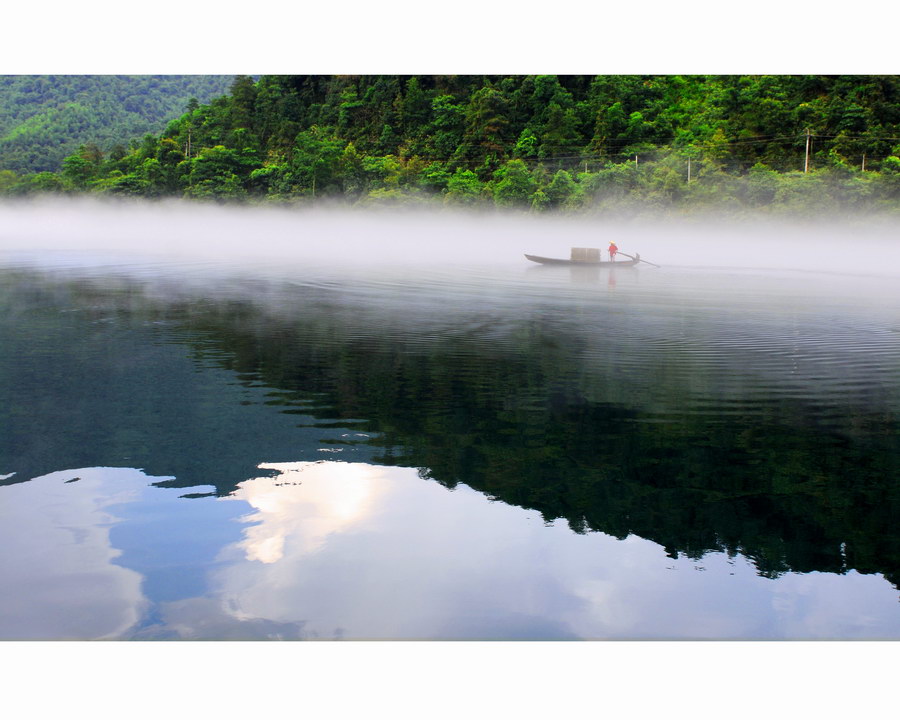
(538, 142)
(44, 118)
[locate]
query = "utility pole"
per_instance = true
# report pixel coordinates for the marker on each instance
(806, 164)
(864, 163)
(635, 160)
(689, 168)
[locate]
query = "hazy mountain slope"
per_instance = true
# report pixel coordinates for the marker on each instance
(44, 118)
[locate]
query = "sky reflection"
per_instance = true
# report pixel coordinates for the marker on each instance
(332, 550)
(333, 497)
(359, 551)
(60, 577)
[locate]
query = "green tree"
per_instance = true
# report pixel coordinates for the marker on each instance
(540, 201)
(315, 161)
(382, 173)
(464, 187)
(445, 131)
(272, 180)
(485, 125)
(435, 177)
(560, 134)
(7, 180)
(80, 168)
(217, 172)
(44, 182)
(611, 125)
(388, 140)
(513, 184)
(415, 108)
(762, 184)
(562, 190)
(889, 181)
(243, 102)
(526, 145)
(352, 172)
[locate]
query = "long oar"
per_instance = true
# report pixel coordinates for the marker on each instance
(638, 259)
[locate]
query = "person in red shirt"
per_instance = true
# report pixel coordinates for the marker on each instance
(613, 249)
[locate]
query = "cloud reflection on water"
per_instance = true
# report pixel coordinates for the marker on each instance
(60, 577)
(336, 550)
(331, 500)
(360, 551)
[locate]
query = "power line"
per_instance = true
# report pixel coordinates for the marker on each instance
(857, 137)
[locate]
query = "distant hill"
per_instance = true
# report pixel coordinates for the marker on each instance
(44, 118)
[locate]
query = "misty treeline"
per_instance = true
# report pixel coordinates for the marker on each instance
(780, 143)
(45, 118)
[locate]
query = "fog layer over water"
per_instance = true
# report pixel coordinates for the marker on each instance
(806, 305)
(373, 238)
(201, 407)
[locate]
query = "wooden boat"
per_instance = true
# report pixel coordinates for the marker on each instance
(583, 263)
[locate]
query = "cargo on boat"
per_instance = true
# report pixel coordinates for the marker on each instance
(586, 256)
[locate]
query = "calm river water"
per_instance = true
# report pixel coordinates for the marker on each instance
(200, 451)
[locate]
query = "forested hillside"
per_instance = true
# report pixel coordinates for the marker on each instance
(44, 118)
(537, 142)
